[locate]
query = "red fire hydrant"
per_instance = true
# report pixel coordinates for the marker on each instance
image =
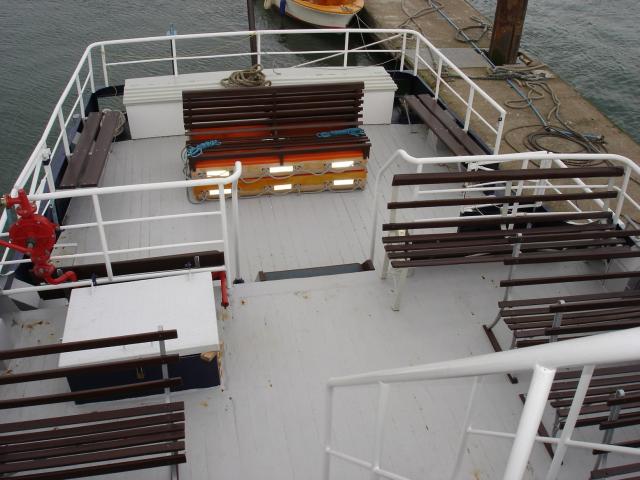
(35, 236)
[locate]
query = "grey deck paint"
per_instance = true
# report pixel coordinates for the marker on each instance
(284, 339)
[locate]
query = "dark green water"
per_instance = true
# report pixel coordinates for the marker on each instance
(591, 43)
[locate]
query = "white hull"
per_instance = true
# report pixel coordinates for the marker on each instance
(315, 17)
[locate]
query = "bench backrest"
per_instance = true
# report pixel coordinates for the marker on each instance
(92, 394)
(271, 111)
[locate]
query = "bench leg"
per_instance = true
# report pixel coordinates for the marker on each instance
(385, 267)
(400, 281)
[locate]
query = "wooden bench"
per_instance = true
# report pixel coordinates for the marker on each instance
(443, 125)
(601, 407)
(99, 442)
(305, 128)
(89, 157)
(518, 232)
(535, 321)
(617, 420)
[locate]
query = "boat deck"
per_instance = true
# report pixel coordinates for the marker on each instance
(277, 232)
(284, 339)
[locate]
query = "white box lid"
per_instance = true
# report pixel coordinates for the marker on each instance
(183, 302)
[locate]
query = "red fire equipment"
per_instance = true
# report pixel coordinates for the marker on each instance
(35, 236)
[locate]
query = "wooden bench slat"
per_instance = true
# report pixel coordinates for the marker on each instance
(81, 152)
(88, 447)
(485, 176)
(479, 220)
(567, 298)
(38, 350)
(98, 157)
(93, 457)
(272, 90)
(119, 425)
(90, 394)
(505, 200)
(597, 382)
(517, 282)
(444, 250)
(598, 327)
(622, 234)
(601, 371)
(625, 420)
(518, 323)
(93, 437)
(91, 417)
(435, 123)
(441, 237)
(200, 131)
(573, 307)
(615, 471)
(86, 369)
(113, 467)
(447, 261)
(596, 254)
(606, 390)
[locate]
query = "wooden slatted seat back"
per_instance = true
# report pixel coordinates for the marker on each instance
(271, 123)
(90, 154)
(99, 442)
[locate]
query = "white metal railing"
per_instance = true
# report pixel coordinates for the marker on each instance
(543, 361)
(36, 175)
(231, 268)
(526, 160)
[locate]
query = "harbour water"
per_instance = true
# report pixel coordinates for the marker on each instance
(590, 43)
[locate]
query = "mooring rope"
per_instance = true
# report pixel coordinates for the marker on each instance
(251, 77)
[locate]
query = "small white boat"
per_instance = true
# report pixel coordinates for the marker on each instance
(321, 13)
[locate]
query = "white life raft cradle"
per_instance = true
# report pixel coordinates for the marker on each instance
(154, 104)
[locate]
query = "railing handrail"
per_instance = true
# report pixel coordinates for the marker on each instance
(86, 57)
(614, 347)
(400, 154)
(139, 187)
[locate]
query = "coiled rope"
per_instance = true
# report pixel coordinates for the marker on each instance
(354, 132)
(251, 77)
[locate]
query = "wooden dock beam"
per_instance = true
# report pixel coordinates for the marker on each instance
(507, 31)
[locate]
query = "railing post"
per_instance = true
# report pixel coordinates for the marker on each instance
(103, 237)
(345, 61)
(467, 117)
(383, 400)
(328, 420)
(570, 422)
(529, 422)
(416, 57)
(465, 428)
(63, 132)
(623, 191)
(92, 80)
(496, 147)
(403, 51)
(236, 231)
(80, 96)
(103, 54)
(174, 57)
(258, 47)
(225, 231)
(438, 79)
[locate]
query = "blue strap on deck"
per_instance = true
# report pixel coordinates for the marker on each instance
(283, 7)
(197, 150)
(355, 132)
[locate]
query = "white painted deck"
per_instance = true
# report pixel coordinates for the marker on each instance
(277, 233)
(282, 340)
